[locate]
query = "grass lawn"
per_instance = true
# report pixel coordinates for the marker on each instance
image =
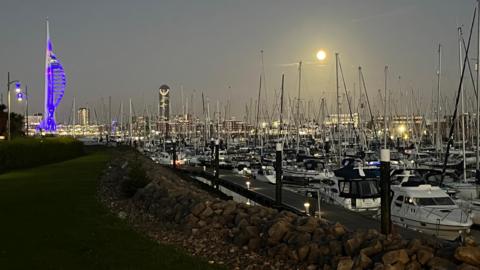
(51, 219)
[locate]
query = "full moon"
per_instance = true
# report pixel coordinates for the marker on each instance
(321, 55)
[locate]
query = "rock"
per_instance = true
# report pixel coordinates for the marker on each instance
(378, 266)
(241, 239)
(201, 223)
(373, 249)
(323, 250)
(371, 234)
(277, 231)
(230, 208)
(437, 263)
(303, 252)
(251, 231)
(413, 265)
(395, 256)
(314, 253)
(335, 247)
(207, 212)
(312, 267)
(352, 246)
(318, 234)
(396, 266)
(198, 208)
(299, 238)
(309, 226)
(362, 261)
(243, 223)
(254, 243)
(338, 230)
(469, 254)
(469, 242)
(292, 254)
(345, 264)
(239, 217)
(423, 256)
(466, 266)
(413, 246)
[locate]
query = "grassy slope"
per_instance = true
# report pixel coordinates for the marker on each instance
(50, 219)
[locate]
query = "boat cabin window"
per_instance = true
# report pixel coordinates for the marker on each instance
(359, 188)
(399, 201)
(328, 182)
(434, 201)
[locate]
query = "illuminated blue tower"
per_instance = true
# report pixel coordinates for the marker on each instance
(55, 82)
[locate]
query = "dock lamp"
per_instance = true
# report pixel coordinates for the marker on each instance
(307, 207)
(248, 184)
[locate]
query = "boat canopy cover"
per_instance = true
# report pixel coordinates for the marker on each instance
(353, 169)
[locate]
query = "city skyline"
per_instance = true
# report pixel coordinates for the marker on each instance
(128, 50)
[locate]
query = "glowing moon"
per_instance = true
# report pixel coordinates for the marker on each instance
(321, 55)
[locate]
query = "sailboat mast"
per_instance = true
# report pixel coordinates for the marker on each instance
(258, 112)
(385, 112)
(462, 118)
(130, 133)
(477, 166)
(281, 107)
(439, 72)
(338, 104)
(298, 104)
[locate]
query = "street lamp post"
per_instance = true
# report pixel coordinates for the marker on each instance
(17, 89)
(20, 97)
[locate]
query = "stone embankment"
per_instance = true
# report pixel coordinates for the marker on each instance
(176, 211)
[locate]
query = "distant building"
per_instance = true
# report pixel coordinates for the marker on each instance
(83, 116)
(164, 102)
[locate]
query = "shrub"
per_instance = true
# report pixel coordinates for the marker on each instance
(28, 152)
(137, 178)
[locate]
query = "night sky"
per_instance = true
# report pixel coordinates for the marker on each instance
(127, 49)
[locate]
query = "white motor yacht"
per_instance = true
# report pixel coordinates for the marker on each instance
(428, 209)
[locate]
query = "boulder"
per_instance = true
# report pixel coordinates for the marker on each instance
(303, 252)
(243, 223)
(251, 231)
(230, 208)
(374, 249)
(469, 242)
(362, 261)
(314, 253)
(338, 230)
(423, 256)
(241, 239)
(198, 208)
(396, 266)
(469, 254)
(318, 234)
(206, 212)
(395, 256)
(413, 265)
(309, 226)
(277, 231)
(335, 247)
(466, 266)
(345, 263)
(254, 243)
(437, 263)
(352, 245)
